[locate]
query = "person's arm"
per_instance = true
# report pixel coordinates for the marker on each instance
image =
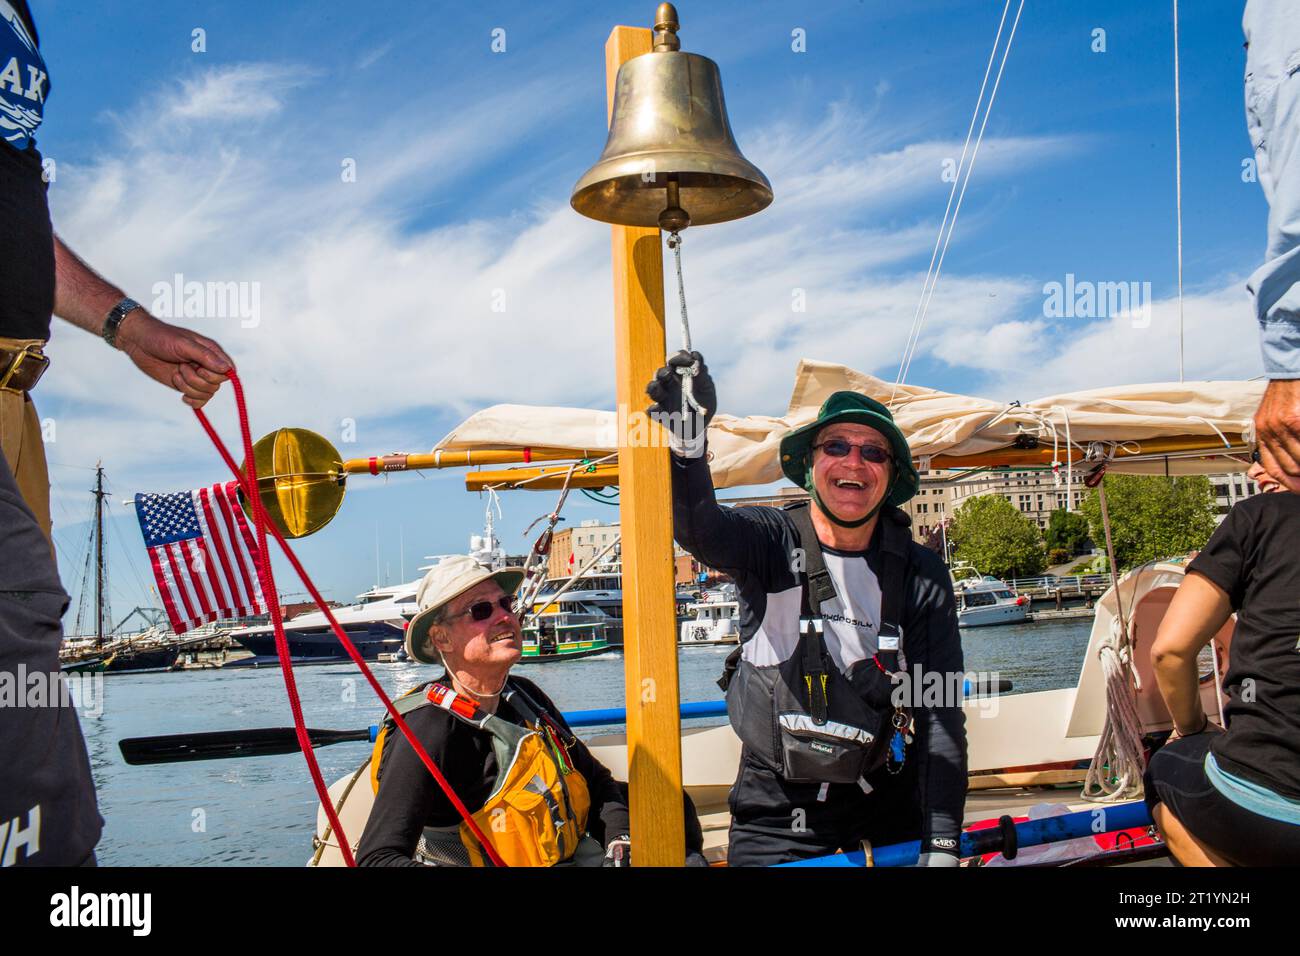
(407, 794)
(1272, 108)
(1199, 608)
(180, 358)
(940, 731)
(726, 539)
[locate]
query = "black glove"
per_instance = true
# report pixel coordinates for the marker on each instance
(619, 851)
(686, 425)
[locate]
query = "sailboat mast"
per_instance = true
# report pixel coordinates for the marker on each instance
(99, 554)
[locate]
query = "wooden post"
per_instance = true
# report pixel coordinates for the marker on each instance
(645, 510)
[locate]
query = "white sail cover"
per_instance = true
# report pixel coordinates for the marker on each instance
(743, 451)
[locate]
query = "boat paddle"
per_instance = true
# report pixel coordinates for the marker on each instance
(219, 744)
(266, 741)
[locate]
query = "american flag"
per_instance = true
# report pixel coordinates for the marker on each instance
(204, 555)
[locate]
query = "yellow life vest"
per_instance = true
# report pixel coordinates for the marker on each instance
(536, 812)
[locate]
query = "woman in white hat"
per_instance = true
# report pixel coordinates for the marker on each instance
(534, 789)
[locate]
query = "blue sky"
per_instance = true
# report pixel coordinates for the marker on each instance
(375, 294)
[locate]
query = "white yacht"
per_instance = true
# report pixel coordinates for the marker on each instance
(376, 623)
(983, 600)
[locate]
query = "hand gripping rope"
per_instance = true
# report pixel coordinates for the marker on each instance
(248, 483)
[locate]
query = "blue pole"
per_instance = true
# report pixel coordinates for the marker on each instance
(607, 716)
(618, 715)
(1067, 826)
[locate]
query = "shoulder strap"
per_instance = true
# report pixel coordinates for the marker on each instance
(818, 585)
(462, 708)
(895, 564)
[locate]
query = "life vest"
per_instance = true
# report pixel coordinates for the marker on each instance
(536, 812)
(803, 717)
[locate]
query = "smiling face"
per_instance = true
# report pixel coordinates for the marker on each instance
(480, 648)
(1267, 483)
(849, 486)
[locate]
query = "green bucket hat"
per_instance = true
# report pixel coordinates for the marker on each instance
(796, 447)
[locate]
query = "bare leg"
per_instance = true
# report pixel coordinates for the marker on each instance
(1186, 849)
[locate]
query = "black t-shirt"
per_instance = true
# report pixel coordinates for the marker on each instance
(409, 799)
(26, 235)
(1254, 556)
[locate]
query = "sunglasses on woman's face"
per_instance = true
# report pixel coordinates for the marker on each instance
(839, 448)
(482, 610)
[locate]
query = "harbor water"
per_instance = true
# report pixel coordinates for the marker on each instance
(260, 810)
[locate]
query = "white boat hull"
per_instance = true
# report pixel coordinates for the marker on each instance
(997, 614)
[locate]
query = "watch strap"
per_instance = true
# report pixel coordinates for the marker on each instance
(115, 317)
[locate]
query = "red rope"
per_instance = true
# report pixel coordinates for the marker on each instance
(249, 484)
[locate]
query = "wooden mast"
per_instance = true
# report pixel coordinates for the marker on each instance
(99, 553)
(645, 510)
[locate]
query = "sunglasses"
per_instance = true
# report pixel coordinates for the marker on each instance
(839, 448)
(482, 610)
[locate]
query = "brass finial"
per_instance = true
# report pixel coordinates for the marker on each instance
(666, 27)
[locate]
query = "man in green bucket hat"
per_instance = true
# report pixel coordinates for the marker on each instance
(842, 615)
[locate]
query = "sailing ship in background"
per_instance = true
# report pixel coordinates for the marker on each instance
(104, 649)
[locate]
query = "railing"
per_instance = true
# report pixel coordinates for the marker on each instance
(1072, 582)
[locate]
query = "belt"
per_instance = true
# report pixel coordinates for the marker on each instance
(21, 369)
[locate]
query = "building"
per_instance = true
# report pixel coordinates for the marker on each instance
(572, 548)
(1229, 489)
(1035, 494)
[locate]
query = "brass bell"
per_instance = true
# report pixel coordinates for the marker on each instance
(671, 159)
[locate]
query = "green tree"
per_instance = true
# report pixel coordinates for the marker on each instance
(997, 539)
(1152, 517)
(1067, 530)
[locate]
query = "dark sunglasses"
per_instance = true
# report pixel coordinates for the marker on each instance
(482, 610)
(839, 448)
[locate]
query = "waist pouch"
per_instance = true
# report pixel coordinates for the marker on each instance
(812, 723)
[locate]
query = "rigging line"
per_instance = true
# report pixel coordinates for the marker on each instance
(1178, 187)
(121, 542)
(961, 195)
(961, 163)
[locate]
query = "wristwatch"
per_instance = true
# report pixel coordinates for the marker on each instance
(115, 316)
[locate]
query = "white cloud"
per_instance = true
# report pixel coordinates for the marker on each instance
(241, 91)
(364, 317)
(1219, 342)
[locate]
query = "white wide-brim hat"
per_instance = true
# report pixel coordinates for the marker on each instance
(446, 581)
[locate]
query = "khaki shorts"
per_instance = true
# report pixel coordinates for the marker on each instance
(23, 447)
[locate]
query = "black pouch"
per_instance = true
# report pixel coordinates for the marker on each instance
(828, 731)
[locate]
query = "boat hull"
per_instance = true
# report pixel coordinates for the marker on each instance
(319, 645)
(991, 616)
(130, 661)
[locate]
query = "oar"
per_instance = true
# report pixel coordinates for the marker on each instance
(265, 741)
(230, 743)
